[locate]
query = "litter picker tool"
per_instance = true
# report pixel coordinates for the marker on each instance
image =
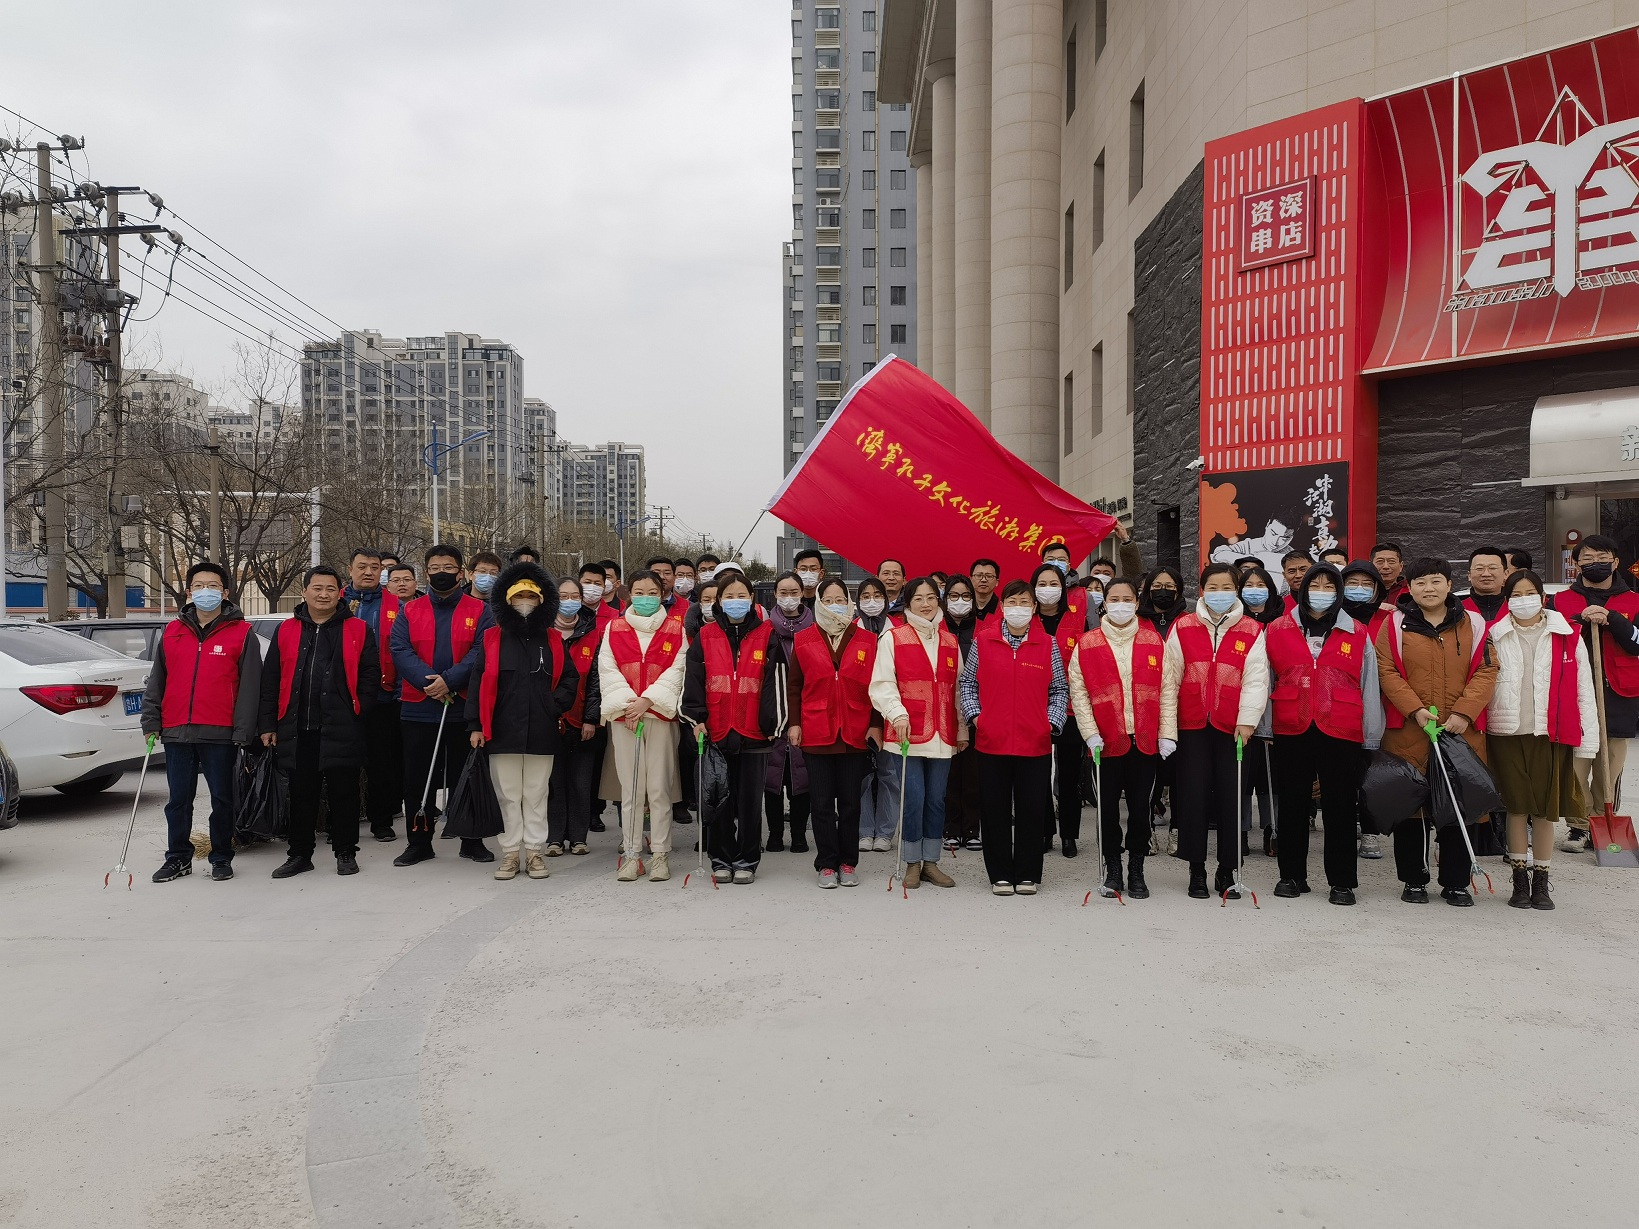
(641, 801)
(898, 848)
(1611, 835)
(1474, 867)
(420, 823)
(125, 850)
(700, 801)
(1098, 825)
(1238, 885)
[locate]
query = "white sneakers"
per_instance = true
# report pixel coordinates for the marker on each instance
(1001, 888)
(509, 866)
(630, 869)
(1575, 840)
(828, 878)
(882, 844)
(660, 868)
(865, 844)
(535, 864)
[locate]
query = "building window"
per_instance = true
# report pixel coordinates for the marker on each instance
(828, 257)
(896, 258)
(827, 100)
(828, 216)
(896, 296)
(896, 334)
(796, 106)
(868, 257)
(868, 364)
(898, 106)
(868, 335)
(867, 61)
(1101, 27)
(1098, 200)
(827, 19)
(870, 296)
(1095, 406)
(1070, 77)
(827, 138)
(867, 180)
(896, 141)
(828, 59)
(868, 140)
(1069, 248)
(867, 100)
(1069, 413)
(796, 216)
(896, 219)
(830, 372)
(867, 20)
(1135, 143)
(867, 219)
(824, 180)
(796, 177)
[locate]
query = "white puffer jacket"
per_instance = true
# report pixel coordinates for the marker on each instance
(1502, 715)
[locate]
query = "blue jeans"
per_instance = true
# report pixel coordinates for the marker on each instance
(922, 839)
(183, 764)
(879, 801)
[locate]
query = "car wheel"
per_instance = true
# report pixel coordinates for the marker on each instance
(90, 785)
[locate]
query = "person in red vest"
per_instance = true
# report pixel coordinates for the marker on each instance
(1389, 560)
(914, 687)
(640, 678)
(1062, 612)
(1324, 707)
(569, 797)
(684, 581)
(734, 687)
(1487, 569)
(1115, 690)
(321, 677)
(525, 680)
(435, 643)
(1602, 602)
(1541, 720)
(828, 677)
(1214, 685)
(1432, 652)
(384, 757)
(201, 701)
(1014, 696)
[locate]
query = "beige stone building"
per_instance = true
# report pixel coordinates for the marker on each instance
(1048, 134)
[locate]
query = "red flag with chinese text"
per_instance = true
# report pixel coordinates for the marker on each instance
(904, 470)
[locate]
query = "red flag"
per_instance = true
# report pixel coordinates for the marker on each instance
(904, 470)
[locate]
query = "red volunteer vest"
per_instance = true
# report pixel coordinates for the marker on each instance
(489, 682)
(734, 689)
(585, 656)
(1072, 624)
(201, 676)
(424, 634)
(1621, 670)
(640, 669)
(1564, 714)
(1103, 680)
(1211, 688)
(1324, 690)
(384, 640)
(1392, 717)
(928, 693)
(836, 702)
(353, 632)
(1013, 686)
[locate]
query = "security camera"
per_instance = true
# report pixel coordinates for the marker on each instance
(1197, 463)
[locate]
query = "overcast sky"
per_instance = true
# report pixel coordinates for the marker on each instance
(604, 185)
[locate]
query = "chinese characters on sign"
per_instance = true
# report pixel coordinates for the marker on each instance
(1276, 224)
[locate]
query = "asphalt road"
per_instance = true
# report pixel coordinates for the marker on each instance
(429, 1047)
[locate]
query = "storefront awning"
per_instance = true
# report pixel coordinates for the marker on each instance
(1587, 442)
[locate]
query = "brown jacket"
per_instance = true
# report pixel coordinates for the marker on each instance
(1436, 673)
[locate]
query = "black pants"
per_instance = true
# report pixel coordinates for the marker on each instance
(420, 738)
(963, 801)
(1411, 852)
(736, 839)
(1130, 776)
(307, 780)
(834, 785)
(688, 754)
(1069, 754)
(1017, 794)
(1204, 795)
(383, 765)
(774, 804)
(569, 793)
(1299, 759)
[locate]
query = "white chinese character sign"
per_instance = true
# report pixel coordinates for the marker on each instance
(1276, 224)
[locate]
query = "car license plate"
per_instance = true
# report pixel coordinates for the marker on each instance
(133, 703)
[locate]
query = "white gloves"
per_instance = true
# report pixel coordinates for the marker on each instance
(1096, 742)
(1167, 746)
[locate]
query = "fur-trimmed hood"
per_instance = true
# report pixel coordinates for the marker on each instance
(508, 619)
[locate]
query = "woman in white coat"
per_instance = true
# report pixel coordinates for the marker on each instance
(640, 672)
(1541, 717)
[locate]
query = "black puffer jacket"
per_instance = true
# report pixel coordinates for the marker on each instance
(326, 694)
(527, 705)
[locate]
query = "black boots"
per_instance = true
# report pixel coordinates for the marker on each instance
(1136, 887)
(1222, 881)
(1197, 881)
(1540, 889)
(1113, 884)
(774, 809)
(1521, 899)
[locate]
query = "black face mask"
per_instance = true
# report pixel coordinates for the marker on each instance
(1163, 599)
(443, 582)
(1598, 573)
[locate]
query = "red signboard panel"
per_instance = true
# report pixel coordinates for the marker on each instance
(1277, 224)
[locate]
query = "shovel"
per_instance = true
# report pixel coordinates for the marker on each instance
(1610, 834)
(125, 850)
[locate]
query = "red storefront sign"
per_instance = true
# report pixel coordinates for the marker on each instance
(1276, 224)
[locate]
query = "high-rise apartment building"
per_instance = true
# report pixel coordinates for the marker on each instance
(604, 483)
(849, 271)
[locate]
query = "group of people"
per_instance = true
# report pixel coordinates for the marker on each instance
(958, 710)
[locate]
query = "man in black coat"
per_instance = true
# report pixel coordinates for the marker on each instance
(320, 679)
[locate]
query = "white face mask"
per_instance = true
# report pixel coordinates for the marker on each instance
(809, 580)
(608, 588)
(706, 609)
(959, 606)
(1121, 612)
(524, 606)
(1018, 617)
(789, 605)
(591, 594)
(683, 585)
(1526, 606)
(1048, 595)
(872, 606)
(706, 574)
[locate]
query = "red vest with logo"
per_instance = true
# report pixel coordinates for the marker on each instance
(1564, 714)
(734, 689)
(1013, 689)
(353, 632)
(1392, 717)
(584, 653)
(927, 692)
(640, 669)
(1621, 669)
(1324, 690)
(1210, 692)
(489, 682)
(1103, 680)
(423, 624)
(201, 676)
(836, 702)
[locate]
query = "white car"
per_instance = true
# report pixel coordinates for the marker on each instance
(70, 709)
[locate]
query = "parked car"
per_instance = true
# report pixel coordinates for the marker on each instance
(266, 626)
(70, 708)
(8, 791)
(133, 637)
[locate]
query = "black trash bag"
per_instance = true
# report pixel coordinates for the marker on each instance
(259, 795)
(716, 801)
(473, 812)
(1476, 791)
(1391, 792)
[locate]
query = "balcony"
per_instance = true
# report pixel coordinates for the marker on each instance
(827, 78)
(828, 119)
(827, 391)
(827, 38)
(828, 159)
(829, 353)
(827, 236)
(828, 315)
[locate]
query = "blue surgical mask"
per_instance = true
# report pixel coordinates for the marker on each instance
(206, 599)
(1257, 595)
(1062, 565)
(645, 605)
(569, 608)
(736, 608)
(1358, 593)
(1321, 601)
(483, 582)
(1095, 596)
(1219, 602)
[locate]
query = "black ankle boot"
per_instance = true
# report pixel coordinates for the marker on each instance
(1136, 887)
(1540, 889)
(1222, 881)
(1521, 899)
(1197, 881)
(1113, 884)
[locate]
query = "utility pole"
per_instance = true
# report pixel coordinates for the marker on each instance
(116, 547)
(660, 514)
(213, 445)
(540, 487)
(51, 391)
